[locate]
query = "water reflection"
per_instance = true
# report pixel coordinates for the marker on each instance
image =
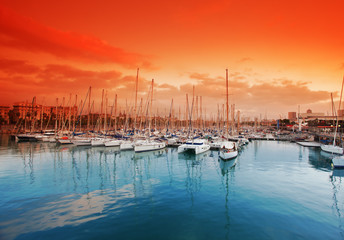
(336, 179)
(227, 171)
(225, 166)
(82, 187)
(319, 159)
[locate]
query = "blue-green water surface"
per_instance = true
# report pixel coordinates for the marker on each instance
(275, 190)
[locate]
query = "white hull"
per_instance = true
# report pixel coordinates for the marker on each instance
(127, 145)
(309, 144)
(338, 162)
(228, 150)
(97, 142)
(82, 142)
(228, 155)
(196, 147)
(149, 146)
(332, 149)
(112, 143)
(64, 141)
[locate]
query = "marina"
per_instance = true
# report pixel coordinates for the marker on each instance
(156, 120)
(271, 190)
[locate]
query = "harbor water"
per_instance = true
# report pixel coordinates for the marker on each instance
(272, 190)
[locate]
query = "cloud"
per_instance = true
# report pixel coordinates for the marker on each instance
(52, 81)
(26, 34)
(21, 80)
(274, 95)
(17, 66)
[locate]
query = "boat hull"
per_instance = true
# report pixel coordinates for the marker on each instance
(228, 154)
(112, 143)
(332, 149)
(82, 142)
(309, 144)
(126, 146)
(149, 147)
(26, 138)
(196, 149)
(97, 142)
(338, 162)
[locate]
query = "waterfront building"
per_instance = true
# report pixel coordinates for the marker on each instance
(310, 115)
(4, 117)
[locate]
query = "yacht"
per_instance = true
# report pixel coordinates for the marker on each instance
(112, 143)
(228, 150)
(149, 146)
(332, 149)
(82, 141)
(196, 146)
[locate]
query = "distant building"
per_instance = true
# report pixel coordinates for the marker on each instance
(24, 110)
(292, 116)
(310, 115)
(4, 117)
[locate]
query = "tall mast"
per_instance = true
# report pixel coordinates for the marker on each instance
(101, 112)
(197, 122)
(70, 112)
(201, 117)
(115, 113)
(57, 103)
(186, 111)
(335, 133)
(81, 107)
(151, 102)
(42, 116)
(150, 111)
(105, 118)
(136, 88)
(227, 102)
(75, 112)
(193, 100)
(89, 110)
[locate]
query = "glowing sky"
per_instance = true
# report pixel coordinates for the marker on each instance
(280, 54)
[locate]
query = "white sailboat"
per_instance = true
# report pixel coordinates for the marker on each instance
(149, 145)
(228, 149)
(334, 148)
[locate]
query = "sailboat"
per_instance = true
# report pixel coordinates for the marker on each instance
(149, 145)
(334, 148)
(228, 150)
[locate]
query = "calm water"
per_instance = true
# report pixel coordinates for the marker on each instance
(276, 190)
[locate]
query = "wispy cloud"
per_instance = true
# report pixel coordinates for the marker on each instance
(26, 34)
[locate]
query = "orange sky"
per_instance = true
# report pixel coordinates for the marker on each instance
(279, 53)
